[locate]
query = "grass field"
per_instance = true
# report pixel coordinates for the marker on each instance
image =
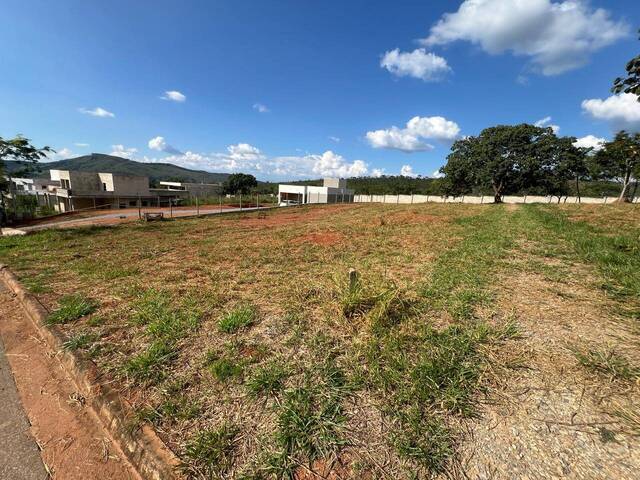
(243, 342)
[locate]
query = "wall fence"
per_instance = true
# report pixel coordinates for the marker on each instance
(411, 199)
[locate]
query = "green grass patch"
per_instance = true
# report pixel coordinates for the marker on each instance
(211, 453)
(166, 324)
(268, 379)
(616, 254)
(239, 318)
(71, 308)
(223, 367)
(457, 283)
(79, 342)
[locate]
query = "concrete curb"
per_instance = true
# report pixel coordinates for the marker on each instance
(147, 453)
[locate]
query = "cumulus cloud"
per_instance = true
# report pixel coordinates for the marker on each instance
(158, 143)
(60, 154)
(590, 141)
(97, 112)
(412, 137)
(437, 174)
(556, 36)
(418, 64)
(546, 122)
(407, 171)
(377, 172)
(621, 111)
(261, 108)
(123, 152)
(243, 157)
(174, 96)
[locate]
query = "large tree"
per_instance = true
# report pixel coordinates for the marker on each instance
(17, 148)
(619, 160)
(20, 148)
(631, 83)
(505, 158)
(568, 163)
(239, 183)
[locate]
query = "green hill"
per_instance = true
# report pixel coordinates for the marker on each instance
(97, 162)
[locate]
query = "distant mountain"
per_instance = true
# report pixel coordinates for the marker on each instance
(98, 162)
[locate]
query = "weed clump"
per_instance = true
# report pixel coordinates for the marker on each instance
(267, 380)
(223, 368)
(608, 363)
(71, 308)
(210, 454)
(237, 319)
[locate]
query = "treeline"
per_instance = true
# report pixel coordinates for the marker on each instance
(512, 159)
(399, 185)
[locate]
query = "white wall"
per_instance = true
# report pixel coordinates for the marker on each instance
(411, 199)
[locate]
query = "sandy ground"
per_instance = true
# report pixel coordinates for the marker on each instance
(552, 418)
(73, 444)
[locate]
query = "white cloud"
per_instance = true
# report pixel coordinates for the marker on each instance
(60, 154)
(411, 138)
(174, 96)
(158, 143)
(437, 174)
(407, 171)
(243, 157)
(419, 64)
(330, 164)
(261, 108)
(556, 36)
(621, 111)
(590, 141)
(81, 145)
(123, 152)
(546, 122)
(334, 139)
(97, 112)
(377, 172)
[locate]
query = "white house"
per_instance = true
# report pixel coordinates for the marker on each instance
(334, 190)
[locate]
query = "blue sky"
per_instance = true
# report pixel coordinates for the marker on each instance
(301, 89)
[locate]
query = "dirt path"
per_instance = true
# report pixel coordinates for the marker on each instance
(553, 418)
(72, 441)
(19, 456)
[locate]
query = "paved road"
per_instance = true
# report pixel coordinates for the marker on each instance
(19, 454)
(128, 215)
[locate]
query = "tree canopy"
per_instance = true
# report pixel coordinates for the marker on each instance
(239, 183)
(630, 83)
(20, 148)
(505, 158)
(619, 160)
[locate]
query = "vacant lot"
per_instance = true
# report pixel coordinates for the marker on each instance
(492, 341)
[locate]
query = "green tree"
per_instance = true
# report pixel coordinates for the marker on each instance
(18, 148)
(505, 159)
(631, 83)
(619, 160)
(568, 164)
(239, 183)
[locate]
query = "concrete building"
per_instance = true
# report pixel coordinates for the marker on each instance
(201, 190)
(29, 186)
(81, 190)
(334, 190)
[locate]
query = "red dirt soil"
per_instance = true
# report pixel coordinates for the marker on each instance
(74, 444)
